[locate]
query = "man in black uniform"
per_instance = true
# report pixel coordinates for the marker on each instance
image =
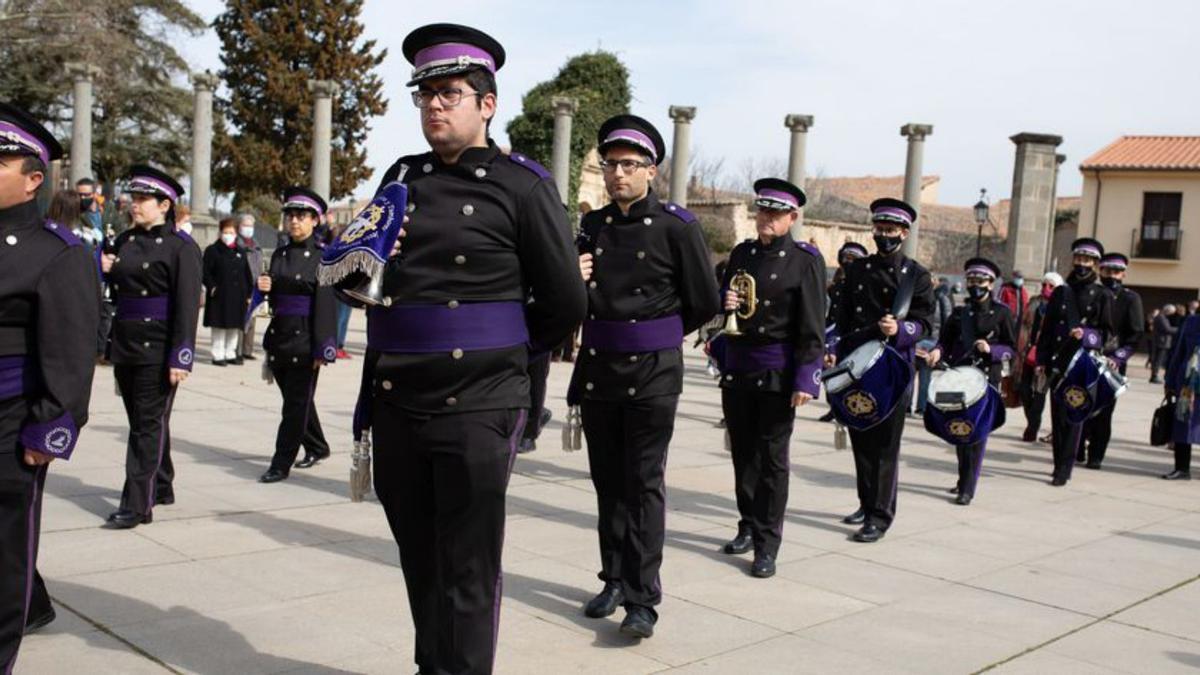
(649, 283)
(772, 367)
(1129, 324)
(302, 336)
(1079, 316)
(873, 283)
(49, 313)
(446, 366)
(978, 334)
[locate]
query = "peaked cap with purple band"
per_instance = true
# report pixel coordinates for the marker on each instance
(778, 194)
(1087, 246)
(888, 210)
(632, 131)
(147, 180)
(1115, 261)
(853, 248)
(303, 198)
(442, 49)
(975, 267)
(20, 134)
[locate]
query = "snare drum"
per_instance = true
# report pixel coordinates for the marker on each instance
(1076, 392)
(1109, 386)
(962, 408)
(867, 385)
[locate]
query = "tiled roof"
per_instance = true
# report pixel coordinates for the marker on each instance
(1153, 153)
(863, 189)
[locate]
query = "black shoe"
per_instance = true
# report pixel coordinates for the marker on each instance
(273, 476)
(1058, 482)
(1094, 465)
(545, 417)
(1029, 436)
(526, 445)
(35, 624)
(639, 622)
(1178, 475)
(605, 603)
(827, 417)
(249, 357)
(235, 362)
(217, 362)
(963, 499)
(742, 543)
(856, 518)
(869, 534)
(763, 566)
(1155, 380)
(309, 461)
(164, 500)
(953, 490)
(127, 520)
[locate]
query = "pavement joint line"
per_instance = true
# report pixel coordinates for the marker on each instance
(111, 633)
(1098, 620)
(1185, 638)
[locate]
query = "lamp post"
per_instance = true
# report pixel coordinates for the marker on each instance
(981, 218)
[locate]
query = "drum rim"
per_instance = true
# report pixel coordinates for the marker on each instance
(844, 380)
(936, 375)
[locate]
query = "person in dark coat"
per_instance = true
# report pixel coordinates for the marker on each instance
(1183, 386)
(1166, 326)
(228, 285)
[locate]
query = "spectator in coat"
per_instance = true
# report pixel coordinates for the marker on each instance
(228, 284)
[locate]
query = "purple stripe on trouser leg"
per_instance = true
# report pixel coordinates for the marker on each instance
(518, 430)
(152, 489)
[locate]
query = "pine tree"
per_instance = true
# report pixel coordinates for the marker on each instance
(270, 50)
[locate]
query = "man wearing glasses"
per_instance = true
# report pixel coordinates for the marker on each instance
(446, 361)
(649, 283)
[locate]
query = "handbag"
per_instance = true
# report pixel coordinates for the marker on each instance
(1162, 422)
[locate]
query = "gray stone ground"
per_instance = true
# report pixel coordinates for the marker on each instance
(237, 577)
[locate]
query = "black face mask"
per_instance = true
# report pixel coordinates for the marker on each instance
(887, 245)
(1084, 272)
(85, 203)
(1111, 283)
(977, 293)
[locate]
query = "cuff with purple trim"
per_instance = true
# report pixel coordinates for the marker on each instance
(1122, 355)
(1091, 339)
(908, 334)
(1001, 352)
(182, 357)
(326, 351)
(55, 438)
(807, 378)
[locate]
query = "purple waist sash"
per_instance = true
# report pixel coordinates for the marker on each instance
(631, 337)
(18, 375)
(756, 358)
(291, 305)
(133, 308)
(423, 329)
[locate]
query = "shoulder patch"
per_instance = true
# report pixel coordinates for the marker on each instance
(525, 162)
(808, 248)
(68, 237)
(680, 212)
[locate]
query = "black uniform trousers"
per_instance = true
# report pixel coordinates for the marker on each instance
(627, 455)
(1033, 401)
(1097, 432)
(539, 372)
(1183, 457)
(760, 433)
(1065, 439)
(299, 424)
(970, 461)
(149, 472)
(876, 464)
(21, 588)
(442, 481)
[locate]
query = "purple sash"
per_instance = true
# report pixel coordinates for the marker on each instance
(291, 305)
(17, 376)
(634, 337)
(133, 308)
(424, 329)
(740, 358)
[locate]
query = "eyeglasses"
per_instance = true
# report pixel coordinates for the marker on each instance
(626, 165)
(449, 97)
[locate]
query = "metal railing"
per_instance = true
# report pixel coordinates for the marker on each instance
(1155, 248)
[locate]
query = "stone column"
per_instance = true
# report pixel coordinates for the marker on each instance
(560, 164)
(799, 126)
(1031, 216)
(323, 92)
(913, 166)
(681, 149)
(81, 120)
(202, 130)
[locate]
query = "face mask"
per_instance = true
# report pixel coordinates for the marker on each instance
(85, 203)
(186, 228)
(228, 238)
(1083, 271)
(887, 245)
(977, 293)
(247, 231)
(1047, 291)
(1111, 283)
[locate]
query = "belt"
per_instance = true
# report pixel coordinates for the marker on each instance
(18, 376)
(423, 329)
(634, 336)
(291, 305)
(752, 359)
(133, 308)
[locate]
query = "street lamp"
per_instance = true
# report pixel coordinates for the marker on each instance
(981, 218)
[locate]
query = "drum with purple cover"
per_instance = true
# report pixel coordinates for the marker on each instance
(867, 385)
(1077, 390)
(963, 408)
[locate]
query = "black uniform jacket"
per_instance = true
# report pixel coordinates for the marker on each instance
(298, 338)
(869, 291)
(990, 321)
(1076, 304)
(1128, 326)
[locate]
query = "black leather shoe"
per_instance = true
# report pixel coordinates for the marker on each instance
(1178, 475)
(164, 500)
(545, 418)
(763, 566)
(272, 476)
(1093, 465)
(35, 624)
(740, 544)
(953, 490)
(218, 363)
(249, 357)
(827, 417)
(526, 445)
(963, 499)
(869, 534)
(1029, 436)
(127, 520)
(1058, 482)
(310, 461)
(639, 622)
(856, 518)
(605, 603)
(236, 362)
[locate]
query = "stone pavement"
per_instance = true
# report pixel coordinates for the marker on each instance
(237, 577)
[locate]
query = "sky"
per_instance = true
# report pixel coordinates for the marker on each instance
(979, 71)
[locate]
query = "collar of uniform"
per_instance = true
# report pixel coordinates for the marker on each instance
(778, 243)
(892, 260)
(20, 216)
(641, 207)
(473, 156)
(307, 242)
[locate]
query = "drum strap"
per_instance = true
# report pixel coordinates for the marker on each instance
(904, 294)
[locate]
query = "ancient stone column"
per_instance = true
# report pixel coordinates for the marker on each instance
(560, 156)
(1031, 216)
(913, 166)
(81, 120)
(323, 92)
(681, 150)
(799, 126)
(202, 131)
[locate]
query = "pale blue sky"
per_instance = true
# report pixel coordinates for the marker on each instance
(979, 71)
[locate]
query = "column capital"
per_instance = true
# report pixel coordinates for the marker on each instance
(680, 114)
(564, 105)
(1040, 139)
(800, 123)
(324, 88)
(205, 81)
(916, 132)
(80, 71)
